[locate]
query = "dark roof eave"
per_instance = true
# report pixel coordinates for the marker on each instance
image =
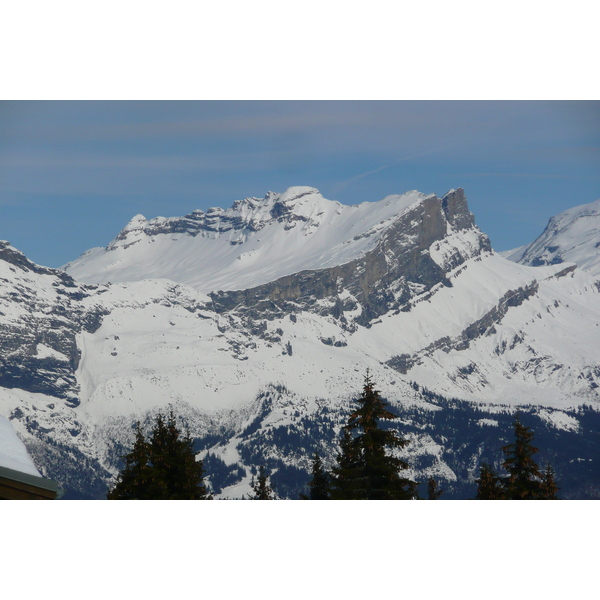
(34, 480)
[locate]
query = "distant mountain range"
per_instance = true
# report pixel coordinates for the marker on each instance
(256, 324)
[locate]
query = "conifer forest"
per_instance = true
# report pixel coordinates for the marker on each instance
(164, 465)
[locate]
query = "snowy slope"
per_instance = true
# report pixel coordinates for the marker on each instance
(407, 287)
(571, 236)
(142, 357)
(211, 367)
(515, 254)
(254, 242)
(13, 454)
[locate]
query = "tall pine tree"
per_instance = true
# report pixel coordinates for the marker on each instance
(524, 481)
(489, 485)
(135, 479)
(365, 470)
(320, 484)
(178, 474)
(549, 487)
(346, 475)
(262, 489)
(163, 468)
(524, 476)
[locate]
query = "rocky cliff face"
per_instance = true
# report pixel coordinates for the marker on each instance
(248, 215)
(386, 278)
(41, 313)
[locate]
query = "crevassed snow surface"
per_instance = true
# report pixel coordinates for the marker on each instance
(310, 232)
(13, 454)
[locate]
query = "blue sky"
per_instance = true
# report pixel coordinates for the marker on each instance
(72, 173)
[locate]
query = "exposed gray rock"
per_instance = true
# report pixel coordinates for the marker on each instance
(454, 205)
(378, 281)
(50, 323)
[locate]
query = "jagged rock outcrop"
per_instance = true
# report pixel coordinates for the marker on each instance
(41, 313)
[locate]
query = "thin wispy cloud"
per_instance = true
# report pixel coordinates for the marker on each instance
(343, 184)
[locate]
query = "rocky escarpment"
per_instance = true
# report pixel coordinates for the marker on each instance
(248, 215)
(399, 267)
(260, 241)
(41, 313)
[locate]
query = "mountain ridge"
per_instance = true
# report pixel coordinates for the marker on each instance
(423, 302)
(254, 242)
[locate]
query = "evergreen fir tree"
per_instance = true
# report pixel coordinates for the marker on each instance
(178, 475)
(524, 477)
(135, 479)
(489, 484)
(364, 470)
(433, 490)
(320, 484)
(549, 489)
(262, 489)
(163, 468)
(524, 480)
(345, 483)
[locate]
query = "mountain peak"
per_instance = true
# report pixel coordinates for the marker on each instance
(570, 236)
(305, 294)
(454, 204)
(137, 221)
(11, 256)
(132, 232)
(258, 240)
(297, 191)
(299, 203)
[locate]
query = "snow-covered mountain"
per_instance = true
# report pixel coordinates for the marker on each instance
(571, 236)
(254, 242)
(257, 324)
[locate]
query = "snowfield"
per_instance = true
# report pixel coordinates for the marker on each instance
(147, 356)
(571, 236)
(13, 454)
